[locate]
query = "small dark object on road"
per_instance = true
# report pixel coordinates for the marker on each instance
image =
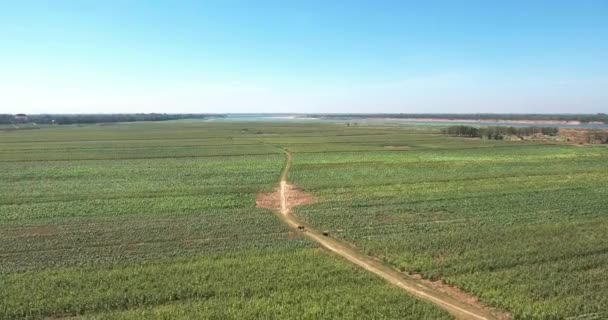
(301, 228)
(326, 233)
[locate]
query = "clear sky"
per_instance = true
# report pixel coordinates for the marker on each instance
(304, 56)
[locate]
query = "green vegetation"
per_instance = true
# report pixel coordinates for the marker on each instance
(159, 221)
(497, 132)
(521, 225)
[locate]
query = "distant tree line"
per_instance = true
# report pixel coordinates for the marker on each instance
(6, 118)
(498, 132)
(101, 118)
(583, 118)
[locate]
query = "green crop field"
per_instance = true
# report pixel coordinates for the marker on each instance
(159, 220)
(522, 226)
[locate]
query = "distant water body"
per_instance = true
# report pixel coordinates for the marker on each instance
(261, 118)
(435, 122)
(440, 122)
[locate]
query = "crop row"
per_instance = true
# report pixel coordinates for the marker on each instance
(243, 284)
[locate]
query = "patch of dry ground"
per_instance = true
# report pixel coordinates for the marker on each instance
(294, 198)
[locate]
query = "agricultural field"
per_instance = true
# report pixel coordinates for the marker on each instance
(159, 220)
(135, 221)
(522, 226)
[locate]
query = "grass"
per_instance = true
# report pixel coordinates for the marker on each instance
(136, 221)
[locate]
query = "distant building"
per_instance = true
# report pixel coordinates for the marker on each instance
(21, 117)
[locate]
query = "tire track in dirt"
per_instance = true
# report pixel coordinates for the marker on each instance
(457, 303)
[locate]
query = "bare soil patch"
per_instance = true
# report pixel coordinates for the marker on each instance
(294, 196)
(297, 197)
(270, 201)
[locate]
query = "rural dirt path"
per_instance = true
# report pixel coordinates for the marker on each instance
(460, 305)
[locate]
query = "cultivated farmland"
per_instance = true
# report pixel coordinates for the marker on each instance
(159, 221)
(522, 226)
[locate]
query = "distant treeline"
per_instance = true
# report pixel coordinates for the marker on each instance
(498, 132)
(97, 118)
(6, 118)
(584, 118)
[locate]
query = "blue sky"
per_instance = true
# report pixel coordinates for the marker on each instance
(304, 56)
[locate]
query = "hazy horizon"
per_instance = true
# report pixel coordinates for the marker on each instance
(314, 113)
(313, 57)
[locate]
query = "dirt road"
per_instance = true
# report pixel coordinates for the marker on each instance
(461, 306)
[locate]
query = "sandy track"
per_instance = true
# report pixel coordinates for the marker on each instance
(461, 306)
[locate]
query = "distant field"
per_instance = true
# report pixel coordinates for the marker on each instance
(139, 221)
(159, 221)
